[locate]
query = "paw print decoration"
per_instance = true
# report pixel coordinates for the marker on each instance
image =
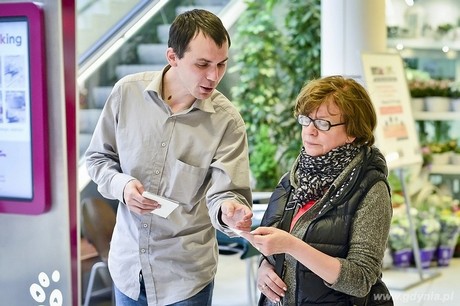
(39, 291)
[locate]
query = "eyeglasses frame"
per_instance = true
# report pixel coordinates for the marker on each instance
(330, 125)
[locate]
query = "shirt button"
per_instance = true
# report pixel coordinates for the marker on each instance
(142, 250)
(157, 171)
(163, 144)
(145, 225)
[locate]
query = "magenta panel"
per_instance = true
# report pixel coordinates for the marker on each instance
(24, 148)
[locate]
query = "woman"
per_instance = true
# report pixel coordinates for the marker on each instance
(325, 230)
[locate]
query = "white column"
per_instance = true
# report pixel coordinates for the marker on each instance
(348, 28)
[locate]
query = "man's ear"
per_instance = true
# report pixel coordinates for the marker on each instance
(171, 57)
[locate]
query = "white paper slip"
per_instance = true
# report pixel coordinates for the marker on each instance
(237, 231)
(167, 205)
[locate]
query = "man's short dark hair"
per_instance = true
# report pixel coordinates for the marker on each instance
(189, 24)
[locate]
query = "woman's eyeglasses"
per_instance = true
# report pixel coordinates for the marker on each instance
(320, 124)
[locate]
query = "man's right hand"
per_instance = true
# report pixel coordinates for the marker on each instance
(132, 194)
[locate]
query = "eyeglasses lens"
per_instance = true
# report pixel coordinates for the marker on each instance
(320, 124)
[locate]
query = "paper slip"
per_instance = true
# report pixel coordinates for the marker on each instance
(167, 205)
(237, 231)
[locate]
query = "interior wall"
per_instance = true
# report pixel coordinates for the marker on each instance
(35, 260)
(349, 28)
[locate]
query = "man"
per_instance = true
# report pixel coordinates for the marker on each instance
(171, 133)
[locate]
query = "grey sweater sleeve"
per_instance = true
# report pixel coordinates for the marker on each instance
(368, 240)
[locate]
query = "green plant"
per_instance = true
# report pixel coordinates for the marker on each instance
(454, 90)
(437, 88)
(440, 131)
(428, 231)
(443, 29)
(427, 155)
(450, 228)
(399, 236)
(258, 92)
(437, 148)
(263, 164)
(273, 64)
(418, 88)
(302, 63)
(442, 147)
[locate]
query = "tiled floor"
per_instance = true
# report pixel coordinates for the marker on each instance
(441, 289)
(444, 289)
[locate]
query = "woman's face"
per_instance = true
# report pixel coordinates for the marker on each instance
(317, 142)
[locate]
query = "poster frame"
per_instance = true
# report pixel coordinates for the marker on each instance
(39, 201)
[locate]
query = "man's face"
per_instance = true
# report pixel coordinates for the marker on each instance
(202, 67)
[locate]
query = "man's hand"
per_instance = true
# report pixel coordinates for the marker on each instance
(236, 215)
(132, 195)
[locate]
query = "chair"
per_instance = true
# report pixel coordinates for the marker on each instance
(98, 222)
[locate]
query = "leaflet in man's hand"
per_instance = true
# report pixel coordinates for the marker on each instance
(167, 205)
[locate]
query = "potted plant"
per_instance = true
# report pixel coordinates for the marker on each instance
(455, 157)
(454, 151)
(418, 92)
(440, 152)
(437, 99)
(450, 229)
(400, 240)
(454, 94)
(428, 231)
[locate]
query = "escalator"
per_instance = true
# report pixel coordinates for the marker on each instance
(120, 37)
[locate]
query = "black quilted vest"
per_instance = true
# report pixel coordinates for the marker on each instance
(330, 230)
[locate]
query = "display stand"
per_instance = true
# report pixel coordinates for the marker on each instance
(397, 138)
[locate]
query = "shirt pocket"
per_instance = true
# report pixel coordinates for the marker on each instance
(186, 184)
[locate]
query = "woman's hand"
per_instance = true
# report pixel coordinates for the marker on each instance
(271, 240)
(269, 283)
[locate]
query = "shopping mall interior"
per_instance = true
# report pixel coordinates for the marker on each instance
(55, 245)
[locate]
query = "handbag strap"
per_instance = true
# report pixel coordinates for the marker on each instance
(284, 225)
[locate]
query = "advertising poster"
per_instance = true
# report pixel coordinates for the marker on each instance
(15, 122)
(396, 135)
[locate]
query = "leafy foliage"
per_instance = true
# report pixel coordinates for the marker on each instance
(267, 168)
(273, 63)
(302, 64)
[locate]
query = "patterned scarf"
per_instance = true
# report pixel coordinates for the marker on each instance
(317, 173)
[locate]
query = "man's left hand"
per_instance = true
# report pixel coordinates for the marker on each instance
(236, 215)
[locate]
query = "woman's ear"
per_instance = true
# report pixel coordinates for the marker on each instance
(350, 139)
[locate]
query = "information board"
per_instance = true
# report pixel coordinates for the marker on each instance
(396, 135)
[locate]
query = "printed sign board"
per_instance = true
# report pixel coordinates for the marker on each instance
(396, 135)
